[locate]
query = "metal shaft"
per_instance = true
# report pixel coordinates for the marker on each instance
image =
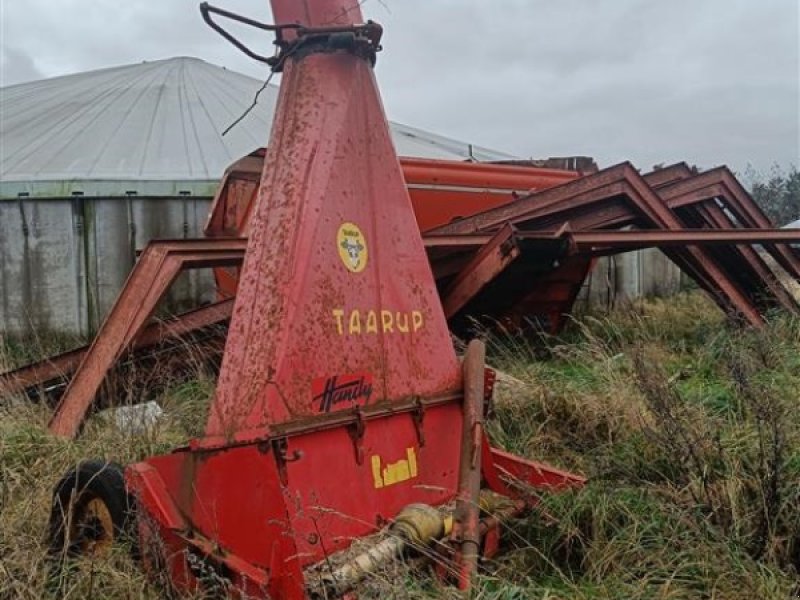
(467, 517)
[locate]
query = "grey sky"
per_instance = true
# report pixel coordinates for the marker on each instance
(707, 81)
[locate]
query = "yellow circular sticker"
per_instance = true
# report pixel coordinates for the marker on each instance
(352, 247)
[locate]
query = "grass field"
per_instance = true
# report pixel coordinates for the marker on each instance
(687, 428)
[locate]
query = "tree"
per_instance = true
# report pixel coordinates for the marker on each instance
(778, 195)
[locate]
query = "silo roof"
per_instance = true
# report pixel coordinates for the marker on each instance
(154, 122)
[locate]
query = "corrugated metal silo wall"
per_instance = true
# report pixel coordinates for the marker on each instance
(64, 260)
(616, 280)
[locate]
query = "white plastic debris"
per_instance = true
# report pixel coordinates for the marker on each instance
(137, 418)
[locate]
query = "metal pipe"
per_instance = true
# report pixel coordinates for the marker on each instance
(417, 526)
(467, 514)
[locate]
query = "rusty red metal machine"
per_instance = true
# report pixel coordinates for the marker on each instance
(512, 276)
(341, 408)
(539, 281)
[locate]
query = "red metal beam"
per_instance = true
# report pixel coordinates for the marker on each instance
(759, 273)
(667, 175)
(553, 207)
(628, 239)
(699, 201)
(569, 196)
(721, 184)
(63, 365)
(156, 269)
(490, 260)
(585, 241)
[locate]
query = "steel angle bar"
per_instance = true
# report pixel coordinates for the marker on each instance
(63, 365)
(584, 241)
(493, 257)
(151, 277)
(720, 184)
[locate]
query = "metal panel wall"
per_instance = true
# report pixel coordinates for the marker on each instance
(618, 279)
(41, 267)
(63, 261)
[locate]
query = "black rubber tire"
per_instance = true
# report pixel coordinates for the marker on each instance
(89, 481)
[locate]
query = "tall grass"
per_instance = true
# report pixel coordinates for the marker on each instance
(689, 432)
(32, 461)
(686, 427)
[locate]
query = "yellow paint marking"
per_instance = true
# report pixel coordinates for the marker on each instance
(394, 473)
(361, 322)
(352, 246)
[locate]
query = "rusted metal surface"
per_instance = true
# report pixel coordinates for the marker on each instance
(548, 305)
(156, 269)
(340, 399)
(591, 241)
(328, 309)
(670, 174)
(466, 521)
(61, 367)
(620, 197)
(723, 185)
(493, 257)
(713, 200)
(619, 240)
(743, 261)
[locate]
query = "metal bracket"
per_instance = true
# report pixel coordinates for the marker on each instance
(280, 447)
(489, 379)
(418, 415)
(361, 40)
(356, 430)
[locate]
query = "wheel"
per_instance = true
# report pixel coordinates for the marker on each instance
(90, 509)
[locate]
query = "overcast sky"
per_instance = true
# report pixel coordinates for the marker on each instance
(707, 81)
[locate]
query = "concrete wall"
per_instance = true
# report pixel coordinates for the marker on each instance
(63, 261)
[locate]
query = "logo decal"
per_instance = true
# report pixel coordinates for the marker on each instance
(358, 322)
(330, 391)
(352, 246)
(384, 475)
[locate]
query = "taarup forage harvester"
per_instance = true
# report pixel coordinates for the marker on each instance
(341, 408)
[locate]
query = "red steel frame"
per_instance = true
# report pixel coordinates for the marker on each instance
(156, 269)
(603, 241)
(489, 255)
(58, 368)
(618, 197)
(738, 278)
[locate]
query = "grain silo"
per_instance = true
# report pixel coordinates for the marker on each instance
(94, 165)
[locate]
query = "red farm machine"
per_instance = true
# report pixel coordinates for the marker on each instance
(342, 413)
(341, 406)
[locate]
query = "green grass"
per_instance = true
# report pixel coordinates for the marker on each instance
(687, 428)
(689, 433)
